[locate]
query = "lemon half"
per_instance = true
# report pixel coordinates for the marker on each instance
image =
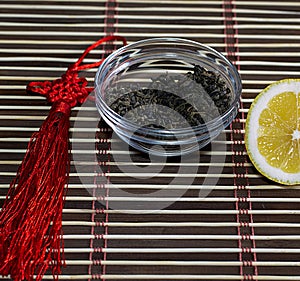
(272, 135)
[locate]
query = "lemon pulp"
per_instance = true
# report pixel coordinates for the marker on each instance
(279, 132)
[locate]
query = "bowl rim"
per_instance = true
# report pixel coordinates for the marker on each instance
(207, 126)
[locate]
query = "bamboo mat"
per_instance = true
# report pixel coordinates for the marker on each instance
(208, 216)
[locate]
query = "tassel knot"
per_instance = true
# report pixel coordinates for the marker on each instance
(69, 88)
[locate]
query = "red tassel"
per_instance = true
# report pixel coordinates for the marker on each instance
(31, 217)
(36, 200)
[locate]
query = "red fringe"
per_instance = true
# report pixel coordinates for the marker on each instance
(31, 220)
(31, 217)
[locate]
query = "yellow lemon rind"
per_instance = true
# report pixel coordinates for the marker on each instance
(251, 128)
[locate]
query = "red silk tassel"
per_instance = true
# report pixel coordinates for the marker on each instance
(36, 200)
(31, 217)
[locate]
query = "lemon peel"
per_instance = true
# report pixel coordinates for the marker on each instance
(272, 132)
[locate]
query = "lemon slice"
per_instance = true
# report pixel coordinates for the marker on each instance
(272, 135)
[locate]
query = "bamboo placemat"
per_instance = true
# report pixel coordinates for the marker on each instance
(129, 217)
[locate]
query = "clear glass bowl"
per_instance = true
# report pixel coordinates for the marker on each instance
(167, 96)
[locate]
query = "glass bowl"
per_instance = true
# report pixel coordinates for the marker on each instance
(167, 96)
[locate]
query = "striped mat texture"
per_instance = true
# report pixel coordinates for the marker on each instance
(218, 218)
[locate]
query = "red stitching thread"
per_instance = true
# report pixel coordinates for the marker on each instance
(98, 250)
(97, 262)
(110, 14)
(246, 250)
(243, 211)
(99, 236)
(247, 263)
